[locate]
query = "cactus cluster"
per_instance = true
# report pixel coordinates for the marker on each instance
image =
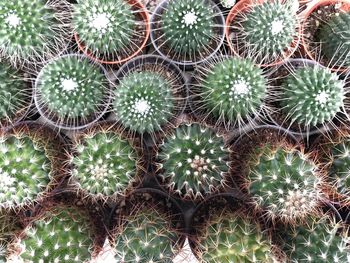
(231, 89)
(71, 87)
(33, 29)
(188, 26)
(144, 101)
(105, 163)
(194, 160)
(312, 96)
(335, 39)
(147, 236)
(105, 27)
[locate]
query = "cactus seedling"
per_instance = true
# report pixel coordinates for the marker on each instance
(194, 160)
(70, 89)
(33, 29)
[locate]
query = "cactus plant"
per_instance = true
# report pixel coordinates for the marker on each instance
(71, 88)
(194, 160)
(64, 235)
(33, 30)
(312, 96)
(147, 236)
(144, 101)
(105, 163)
(230, 89)
(335, 39)
(234, 238)
(318, 240)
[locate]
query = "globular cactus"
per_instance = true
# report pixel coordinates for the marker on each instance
(312, 96)
(335, 39)
(318, 240)
(33, 30)
(147, 236)
(188, 26)
(104, 164)
(105, 27)
(144, 101)
(230, 90)
(64, 235)
(284, 181)
(234, 238)
(71, 89)
(193, 160)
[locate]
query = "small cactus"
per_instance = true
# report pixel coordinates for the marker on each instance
(193, 160)
(335, 39)
(105, 27)
(33, 30)
(71, 88)
(230, 89)
(147, 236)
(63, 235)
(105, 163)
(233, 238)
(312, 96)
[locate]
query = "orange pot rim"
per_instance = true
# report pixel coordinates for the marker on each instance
(313, 6)
(146, 17)
(241, 6)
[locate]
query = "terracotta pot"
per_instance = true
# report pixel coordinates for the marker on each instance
(314, 5)
(136, 5)
(243, 6)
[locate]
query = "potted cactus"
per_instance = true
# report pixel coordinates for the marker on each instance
(33, 30)
(72, 92)
(149, 95)
(111, 31)
(187, 31)
(229, 91)
(266, 30)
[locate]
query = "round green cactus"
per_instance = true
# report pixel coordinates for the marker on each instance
(146, 237)
(105, 163)
(105, 27)
(335, 39)
(320, 240)
(232, 89)
(284, 181)
(63, 236)
(268, 29)
(143, 101)
(235, 239)
(312, 96)
(33, 29)
(194, 160)
(14, 92)
(24, 170)
(71, 87)
(188, 25)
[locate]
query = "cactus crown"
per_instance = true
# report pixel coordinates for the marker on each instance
(146, 237)
(64, 236)
(71, 87)
(284, 181)
(268, 29)
(32, 28)
(105, 27)
(188, 25)
(335, 39)
(312, 96)
(235, 239)
(232, 89)
(105, 163)
(144, 101)
(24, 170)
(320, 240)
(194, 160)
